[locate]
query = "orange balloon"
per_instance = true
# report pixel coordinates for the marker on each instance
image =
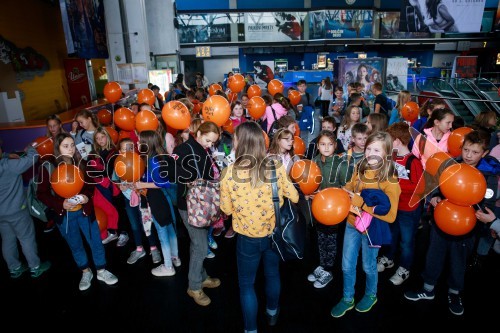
(67, 180)
(236, 83)
(197, 105)
(125, 119)
(294, 96)
(299, 146)
(297, 129)
(275, 86)
(266, 139)
(435, 161)
(213, 89)
(129, 167)
(331, 206)
(254, 90)
(216, 109)
(410, 111)
(123, 135)
(113, 92)
(104, 116)
(113, 134)
(146, 120)
(453, 219)
(228, 126)
(101, 217)
(462, 184)
(232, 96)
(176, 115)
(146, 96)
(256, 107)
(456, 140)
(44, 146)
(307, 174)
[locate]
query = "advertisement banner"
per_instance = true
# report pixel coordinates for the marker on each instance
(464, 67)
(497, 19)
(78, 81)
(206, 28)
(442, 16)
(396, 78)
(389, 28)
(366, 71)
(264, 72)
(274, 27)
(333, 24)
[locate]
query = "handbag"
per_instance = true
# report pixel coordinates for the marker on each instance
(289, 235)
(203, 200)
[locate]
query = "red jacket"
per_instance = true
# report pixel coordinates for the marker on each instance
(408, 180)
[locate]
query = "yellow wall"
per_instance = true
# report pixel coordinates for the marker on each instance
(36, 24)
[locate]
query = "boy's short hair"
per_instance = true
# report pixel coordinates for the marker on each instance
(329, 119)
(359, 128)
(352, 85)
(355, 97)
(377, 86)
(301, 81)
(480, 137)
(401, 131)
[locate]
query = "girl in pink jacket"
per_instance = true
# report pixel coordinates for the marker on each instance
(280, 106)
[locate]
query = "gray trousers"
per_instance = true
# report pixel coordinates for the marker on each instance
(18, 227)
(197, 252)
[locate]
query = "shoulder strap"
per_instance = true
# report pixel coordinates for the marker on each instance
(421, 144)
(409, 161)
(274, 114)
(195, 162)
(276, 199)
(308, 98)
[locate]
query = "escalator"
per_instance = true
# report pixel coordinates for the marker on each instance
(488, 91)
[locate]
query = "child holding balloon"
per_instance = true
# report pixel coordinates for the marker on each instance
(454, 239)
(75, 219)
(374, 172)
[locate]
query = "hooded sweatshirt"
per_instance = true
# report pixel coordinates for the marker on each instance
(431, 147)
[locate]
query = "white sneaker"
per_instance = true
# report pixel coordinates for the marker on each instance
(383, 263)
(162, 270)
(134, 256)
(86, 280)
(315, 274)
(400, 276)
(107, 277)
(176, 261)
(210, 254)
(111, 237)
(122, 240)
(323, 280)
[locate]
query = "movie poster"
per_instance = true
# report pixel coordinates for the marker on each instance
(274, 27)
(396, 78)
(333, 24)
(442, 16)
(87, 28)
(264, 72)
(464, 67)
(366, 71)
(206, 28)
(389, 28)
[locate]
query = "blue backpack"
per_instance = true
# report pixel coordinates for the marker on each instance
(306, 120)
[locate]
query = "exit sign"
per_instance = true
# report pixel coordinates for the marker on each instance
(203, 51)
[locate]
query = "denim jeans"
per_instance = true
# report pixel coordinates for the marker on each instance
(74, 223)
(134, 216)
(168, 242)
(353, 241)
(404, 228)
(249, 252)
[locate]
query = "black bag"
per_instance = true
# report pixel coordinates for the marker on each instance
(289, 235)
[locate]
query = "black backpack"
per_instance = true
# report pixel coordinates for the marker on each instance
(37, 208)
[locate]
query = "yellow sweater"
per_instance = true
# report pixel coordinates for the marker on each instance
(253, 208)
(390, 187)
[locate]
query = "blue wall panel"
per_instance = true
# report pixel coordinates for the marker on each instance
(201, 6)
(342, 4)
(282, 5)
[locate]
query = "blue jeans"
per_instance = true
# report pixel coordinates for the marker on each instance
(134, 216)
(249, 252)
(168, 242)
(74, 223)
(404, 228)
(353, 241)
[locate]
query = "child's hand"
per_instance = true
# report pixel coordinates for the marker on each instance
(485, 217)
(434, 201)
(67, 205)
(309, 196)
(74, 126)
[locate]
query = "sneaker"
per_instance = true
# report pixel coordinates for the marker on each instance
(315, 274)
(383, 263)
(49, 226)
(323, 280)
(16, 273)
(107, 277)
(212, 243)
(230, 233)
(418, 295)
(163, 270)
(122, 240)
(176, 261)
(86, 280)
(341, 308)
(217, 232)
(455, 304)
(273, 319)
(199, 297)
(366, 303)
(134, 256)
(37, 271)
(210, 254)
(156, 256)
(111, 237)
(400, 276)
(210, 283)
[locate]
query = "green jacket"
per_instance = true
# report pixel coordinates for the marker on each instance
(329, 170)
(348, 162)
